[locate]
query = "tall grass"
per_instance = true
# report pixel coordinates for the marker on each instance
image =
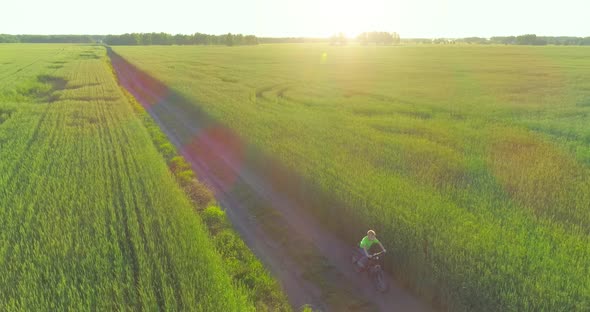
(470, 162)
(91, 217)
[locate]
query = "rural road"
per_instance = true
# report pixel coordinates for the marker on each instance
(311, 263)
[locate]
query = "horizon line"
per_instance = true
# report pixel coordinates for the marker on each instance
(295, 37)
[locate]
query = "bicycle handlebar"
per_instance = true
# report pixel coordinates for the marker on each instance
(377, 254)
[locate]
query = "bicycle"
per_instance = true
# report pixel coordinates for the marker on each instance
(373, 268)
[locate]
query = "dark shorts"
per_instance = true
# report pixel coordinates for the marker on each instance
(362, 260)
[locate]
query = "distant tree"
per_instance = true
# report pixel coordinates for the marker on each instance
(387, 38)
(229, 40)
(131, 39)
(199, 38)
(363, 38)
(474, 40)
(378, 38)
(250, 40)
(338, 39)
(8, 38)
(417, 40)
(238, 39)
(440, 41)
(503, 40)
(162, 39)
(181, 39)
(145, 39)
(530, 39)
(526, 39)
(396, 38)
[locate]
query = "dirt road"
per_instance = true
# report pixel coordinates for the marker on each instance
(312, 264)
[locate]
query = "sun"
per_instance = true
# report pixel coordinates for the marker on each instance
(349, 17)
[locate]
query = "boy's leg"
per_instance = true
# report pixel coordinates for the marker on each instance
(360, 262)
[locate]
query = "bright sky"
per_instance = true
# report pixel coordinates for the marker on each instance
(278, 18)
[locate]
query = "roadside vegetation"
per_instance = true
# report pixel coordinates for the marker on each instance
(472, 163)
(241, 264)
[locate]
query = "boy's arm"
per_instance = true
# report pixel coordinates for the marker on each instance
(382, 248)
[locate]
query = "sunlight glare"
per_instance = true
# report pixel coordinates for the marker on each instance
(350, 17)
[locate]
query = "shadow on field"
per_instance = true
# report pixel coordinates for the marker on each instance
(43, 90)
(80, 86)
(275, 210)
(57, 83)
(5, 113)
(94, 98)
(88, 55)
(78, 119)
(585, 102)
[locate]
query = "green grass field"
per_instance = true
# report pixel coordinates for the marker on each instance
(471, 162)
(91, 216)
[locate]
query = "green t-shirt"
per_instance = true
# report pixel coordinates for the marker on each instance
(367, 243)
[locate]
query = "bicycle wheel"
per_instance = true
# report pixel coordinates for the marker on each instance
(380, 281)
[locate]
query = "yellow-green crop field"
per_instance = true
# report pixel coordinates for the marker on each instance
(91, 217)
(472, 163)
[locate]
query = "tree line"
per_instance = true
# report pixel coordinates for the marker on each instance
(180, 39)
(384, 38)
(291, 40)
(136, 39)
(541, 40)
(4, 38)
(374, 37)
(379, 37)
(529, 39)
